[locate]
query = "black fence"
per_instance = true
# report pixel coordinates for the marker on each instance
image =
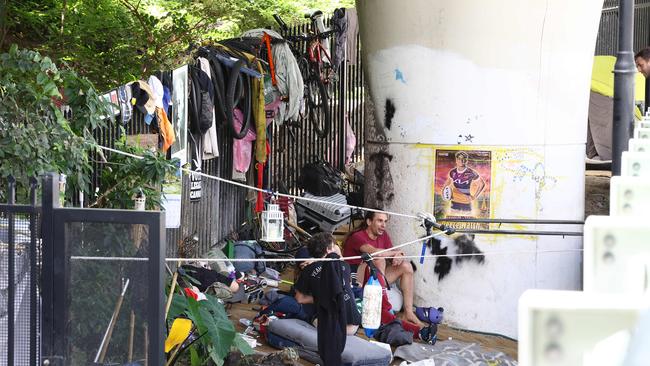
(20, 252)
(223, 207)
(294, 147)
(607, 41)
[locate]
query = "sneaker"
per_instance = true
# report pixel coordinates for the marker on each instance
(430, 315)
(429, 334)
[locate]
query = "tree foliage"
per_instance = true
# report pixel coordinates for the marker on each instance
(114, 41)
(35, 136)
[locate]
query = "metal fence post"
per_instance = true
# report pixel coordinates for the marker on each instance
(50, 200)
(11, 275)
(624, 71)
(33, 276)
(157, 251)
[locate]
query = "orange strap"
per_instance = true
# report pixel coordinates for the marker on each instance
(267, 39)
(259, 204)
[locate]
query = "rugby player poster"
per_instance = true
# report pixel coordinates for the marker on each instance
(462, 186)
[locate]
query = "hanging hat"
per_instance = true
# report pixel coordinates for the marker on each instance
(157, 89)
(143, 97)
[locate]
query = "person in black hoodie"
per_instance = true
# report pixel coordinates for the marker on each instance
(326, 284)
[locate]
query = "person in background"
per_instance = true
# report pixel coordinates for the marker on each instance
(309, 282)
(642, 61)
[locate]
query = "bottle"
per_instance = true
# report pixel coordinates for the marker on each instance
(371, 315)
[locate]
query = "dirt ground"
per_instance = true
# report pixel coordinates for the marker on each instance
(597, 192)
(488, 342)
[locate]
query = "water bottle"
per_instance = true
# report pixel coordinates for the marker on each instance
(371, 315)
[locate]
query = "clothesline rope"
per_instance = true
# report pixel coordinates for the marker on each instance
(227, 181)
(430, 256)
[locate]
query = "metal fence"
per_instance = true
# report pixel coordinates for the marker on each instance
(607, 41)
(294, 147)
(20, 250)
(223, 207)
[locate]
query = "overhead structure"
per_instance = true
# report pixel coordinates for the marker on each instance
(486, 103)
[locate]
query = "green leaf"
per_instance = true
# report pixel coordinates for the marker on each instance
(195, 360)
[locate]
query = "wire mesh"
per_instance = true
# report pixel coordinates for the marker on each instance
(19, 298)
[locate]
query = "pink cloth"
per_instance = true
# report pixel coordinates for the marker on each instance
(242, 150)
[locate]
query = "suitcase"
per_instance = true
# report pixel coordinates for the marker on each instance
(328, 216)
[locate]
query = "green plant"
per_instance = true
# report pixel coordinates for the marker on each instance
(124, 177)
(35, 136)
(217, 335)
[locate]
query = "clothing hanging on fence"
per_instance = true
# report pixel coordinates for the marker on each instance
(210, 143)
(242, 149)
(287, 74)
(201, 105)
(352, 32)
(143, 99)
(166, 129)
(340, 25)
(126, 108)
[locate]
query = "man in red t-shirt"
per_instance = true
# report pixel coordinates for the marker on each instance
(370, 238)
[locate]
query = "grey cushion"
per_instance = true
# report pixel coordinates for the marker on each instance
(357, 352)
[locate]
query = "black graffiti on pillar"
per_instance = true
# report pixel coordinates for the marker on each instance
(389, 113)
(385, 189)
(443, 263)
(465, 245)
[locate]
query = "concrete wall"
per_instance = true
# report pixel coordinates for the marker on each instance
(507, 79)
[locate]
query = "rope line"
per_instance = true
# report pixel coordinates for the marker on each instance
(430, 256)
(227, 181)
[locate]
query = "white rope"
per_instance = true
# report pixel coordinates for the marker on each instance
(266, 190)
(430, 256)
(407, 243)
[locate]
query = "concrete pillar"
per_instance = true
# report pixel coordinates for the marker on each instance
(507, 82)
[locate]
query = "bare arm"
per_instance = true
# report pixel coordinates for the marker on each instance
(367, 248)
(481, 187)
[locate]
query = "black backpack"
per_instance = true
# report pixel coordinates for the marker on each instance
(320, 179)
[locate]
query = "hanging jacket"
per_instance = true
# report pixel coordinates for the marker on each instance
(210, 143)
(287, 74)
(332, 319)
(201, 102)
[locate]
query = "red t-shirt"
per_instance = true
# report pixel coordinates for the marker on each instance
(356, 240)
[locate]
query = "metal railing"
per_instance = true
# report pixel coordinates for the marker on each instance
(20, 249)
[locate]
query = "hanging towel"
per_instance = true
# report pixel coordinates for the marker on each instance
(166, 129)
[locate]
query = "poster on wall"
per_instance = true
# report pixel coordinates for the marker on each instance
(462, 186)
(179, 113)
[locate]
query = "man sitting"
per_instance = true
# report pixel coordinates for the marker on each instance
(371, 237)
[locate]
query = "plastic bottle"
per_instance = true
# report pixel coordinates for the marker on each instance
(371, 315)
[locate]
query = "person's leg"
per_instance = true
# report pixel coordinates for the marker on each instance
(351, 329)
(404, 272)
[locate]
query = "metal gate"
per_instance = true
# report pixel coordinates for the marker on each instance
(103, 291)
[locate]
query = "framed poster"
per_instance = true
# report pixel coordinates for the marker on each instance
(462, 185)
